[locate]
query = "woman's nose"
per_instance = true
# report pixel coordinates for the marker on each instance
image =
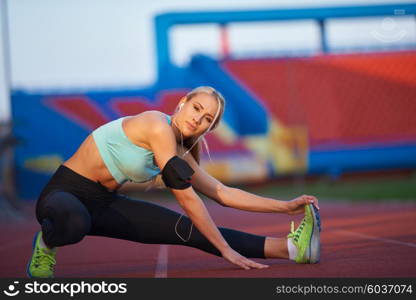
(197, 118)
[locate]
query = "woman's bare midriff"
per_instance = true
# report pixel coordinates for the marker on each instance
(87, 162)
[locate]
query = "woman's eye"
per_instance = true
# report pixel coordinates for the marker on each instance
(196, 108)
(209, 120)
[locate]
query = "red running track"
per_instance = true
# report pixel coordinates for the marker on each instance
(358, 240)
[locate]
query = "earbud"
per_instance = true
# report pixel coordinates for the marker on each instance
(180, 106)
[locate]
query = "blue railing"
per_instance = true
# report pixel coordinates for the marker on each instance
(164, 22)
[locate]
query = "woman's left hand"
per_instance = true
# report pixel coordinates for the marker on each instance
(297, 205)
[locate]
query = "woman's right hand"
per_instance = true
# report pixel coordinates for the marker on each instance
(297, 205)
(236, 258)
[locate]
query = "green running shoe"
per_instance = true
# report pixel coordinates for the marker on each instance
(42, 263)
(306, 238)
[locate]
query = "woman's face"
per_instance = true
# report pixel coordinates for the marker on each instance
(196, 115)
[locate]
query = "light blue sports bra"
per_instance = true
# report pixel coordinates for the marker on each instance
(125, 160)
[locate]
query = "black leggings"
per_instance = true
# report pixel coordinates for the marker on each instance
(72, 206)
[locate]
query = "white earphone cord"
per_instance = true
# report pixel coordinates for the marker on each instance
(177, 222)
(183, 155)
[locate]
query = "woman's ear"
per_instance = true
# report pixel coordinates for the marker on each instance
(181, 104)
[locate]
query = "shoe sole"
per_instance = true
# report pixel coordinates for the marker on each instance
(33, 248)
(315, 243)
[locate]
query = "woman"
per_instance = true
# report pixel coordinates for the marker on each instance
(81, 197)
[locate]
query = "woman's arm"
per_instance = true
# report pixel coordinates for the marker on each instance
(239, 199)
(243, 200)
(195, 209)
(162, 141)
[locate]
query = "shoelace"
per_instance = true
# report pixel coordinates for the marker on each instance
(296, 234)
(45, 259)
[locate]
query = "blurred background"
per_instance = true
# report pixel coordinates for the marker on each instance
(321, 95)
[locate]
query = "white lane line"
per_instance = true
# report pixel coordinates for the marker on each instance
(370, 237)
(162, 262)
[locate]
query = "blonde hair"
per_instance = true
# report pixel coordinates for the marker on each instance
(193, 144)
